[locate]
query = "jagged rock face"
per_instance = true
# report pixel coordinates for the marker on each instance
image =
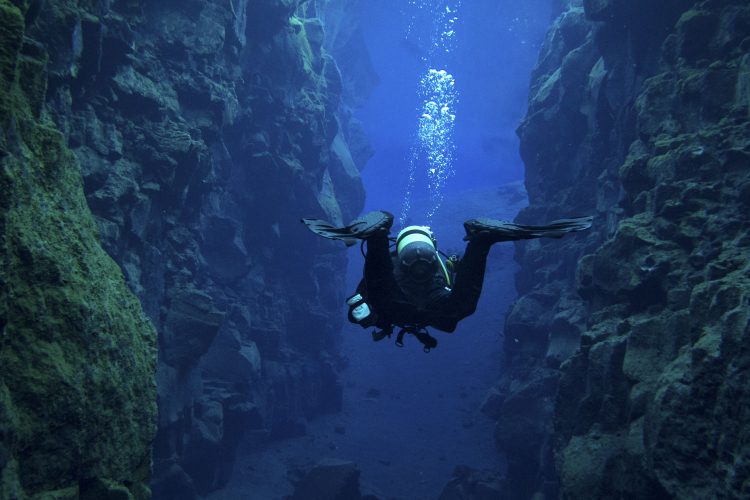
(78, 356)
(204, 130)
(639, 115)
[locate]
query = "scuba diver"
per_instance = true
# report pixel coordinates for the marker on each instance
(412, 287)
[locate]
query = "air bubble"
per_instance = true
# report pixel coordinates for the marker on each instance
(434, 147)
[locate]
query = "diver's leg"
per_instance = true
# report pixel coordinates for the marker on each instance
(379, 268)
(469, 280)
(482, 234)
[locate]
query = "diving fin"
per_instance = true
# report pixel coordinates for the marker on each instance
(327, 230)
(359, 229)
(498, 230)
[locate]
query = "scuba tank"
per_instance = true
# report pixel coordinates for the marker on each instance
(419, 270)
(416, 249)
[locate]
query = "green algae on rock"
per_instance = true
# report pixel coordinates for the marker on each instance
(203, 129)
(653, 124)
(77, 393)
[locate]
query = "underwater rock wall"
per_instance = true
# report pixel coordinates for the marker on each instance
(77, 353)
(627, 351)
(205, 130)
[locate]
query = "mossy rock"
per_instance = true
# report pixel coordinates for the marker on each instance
(11, 38)
(77, 395)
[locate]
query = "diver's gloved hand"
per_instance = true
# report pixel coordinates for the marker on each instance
(360, 228)
(495, 231)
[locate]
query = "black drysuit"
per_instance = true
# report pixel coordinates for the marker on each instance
(438, 305)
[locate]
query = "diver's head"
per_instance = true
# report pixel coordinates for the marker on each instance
(417, 253)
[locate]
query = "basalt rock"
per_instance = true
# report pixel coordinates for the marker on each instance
(470, 484)
(332, 480)
(77, 353)
(646, 107)
(204, 130)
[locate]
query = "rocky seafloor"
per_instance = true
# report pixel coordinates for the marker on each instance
(156, 157)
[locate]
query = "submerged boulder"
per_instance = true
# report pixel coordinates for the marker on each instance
(329, 480)
(470, 484)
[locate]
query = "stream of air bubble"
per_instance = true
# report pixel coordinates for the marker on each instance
(433, 150)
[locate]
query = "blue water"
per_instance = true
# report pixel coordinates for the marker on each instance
(427, 419)
(410, 418)
(497, 44)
